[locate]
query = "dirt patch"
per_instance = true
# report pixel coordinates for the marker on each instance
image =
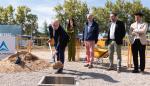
(29, 62)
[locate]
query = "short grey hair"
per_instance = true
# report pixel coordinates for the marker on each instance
(90, 14)
(55, 20)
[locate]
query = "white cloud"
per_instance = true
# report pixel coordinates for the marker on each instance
(44, 9)
(44, 13)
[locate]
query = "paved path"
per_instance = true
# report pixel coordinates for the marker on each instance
(97, 76)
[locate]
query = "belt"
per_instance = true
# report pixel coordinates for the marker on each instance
(112, 39)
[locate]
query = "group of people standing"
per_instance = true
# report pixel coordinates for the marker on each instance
(116, 32)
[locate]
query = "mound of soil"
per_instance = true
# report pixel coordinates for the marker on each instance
(29, 62)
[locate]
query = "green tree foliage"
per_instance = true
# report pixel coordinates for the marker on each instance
(72, 9)
(125, 10)
(45, 27)
(6, 15)
(31, 24)
(1, 15)
(27, 20)
(10, 14)
(21, 14)
(23, 17)
(102, 17)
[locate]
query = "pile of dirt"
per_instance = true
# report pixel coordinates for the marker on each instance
(29, 62)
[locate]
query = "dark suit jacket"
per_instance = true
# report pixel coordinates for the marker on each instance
(61, 38)
(119, 32)
(92, 35)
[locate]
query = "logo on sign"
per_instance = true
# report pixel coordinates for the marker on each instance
(3, 47)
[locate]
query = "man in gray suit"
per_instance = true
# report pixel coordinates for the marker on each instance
(114, 41)
(138, 40)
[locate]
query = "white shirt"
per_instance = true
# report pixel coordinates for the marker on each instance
(139, 25)
(89, 25)
(138, 31)
(112, 30)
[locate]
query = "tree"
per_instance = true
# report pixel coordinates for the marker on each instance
(10, 14)
(1, 15)
(21, 15)
(31, 25)
(72, 9)
(45, 27)
(4, 16)
(102, 17)
(125, 10)
(7, 15)
(27, 20)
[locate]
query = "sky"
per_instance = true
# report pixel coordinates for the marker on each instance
(44, 8)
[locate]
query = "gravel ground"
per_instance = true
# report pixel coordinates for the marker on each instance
(97, 76)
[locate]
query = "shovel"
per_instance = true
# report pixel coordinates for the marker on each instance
(51, 51)
(18, 60)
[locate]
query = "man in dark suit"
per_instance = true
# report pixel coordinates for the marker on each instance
(90, 38)
(61, 39)
(114, 41)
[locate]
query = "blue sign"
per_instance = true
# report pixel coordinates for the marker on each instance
(3, 47)
(13, 29)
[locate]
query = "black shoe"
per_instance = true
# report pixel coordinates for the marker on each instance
(59, 71)
(118, 70)
(110, 68)
(135, 71)
(90, 66)
(86, 65)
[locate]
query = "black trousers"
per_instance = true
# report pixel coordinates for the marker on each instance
(137, 47)
(61, 51)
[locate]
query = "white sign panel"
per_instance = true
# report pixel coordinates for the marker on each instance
(7, 46)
